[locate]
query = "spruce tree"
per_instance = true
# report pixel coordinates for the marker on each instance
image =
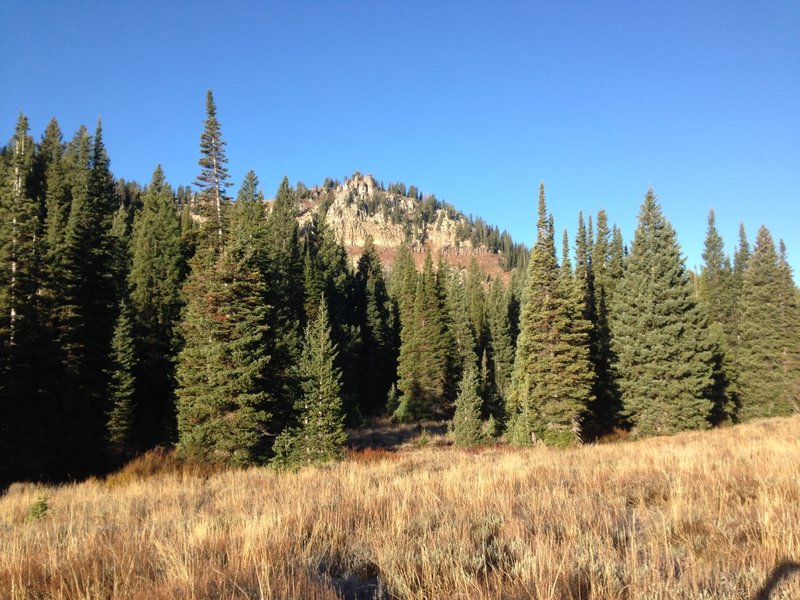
(552, 378)
(663, 360)
(156, 276)
(122, 389)
(320, 435)
(283, 268)
(224, 410)
(23, 444)
(212, 181)
(716, 299)
(466, 424)
(377, 338)
(86, 307)
(502, 348)
(790, 326)
(768, 334)
(424, 366)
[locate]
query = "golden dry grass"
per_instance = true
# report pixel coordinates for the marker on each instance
(700, 515)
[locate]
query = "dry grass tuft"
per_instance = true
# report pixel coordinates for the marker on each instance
(699, 515)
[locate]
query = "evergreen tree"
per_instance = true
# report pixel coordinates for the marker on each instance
(403, 282)
(768, 335)
(224, 410)
(122, 390)
(466, 425)
(283, 268)
(716, 300)
(459, 322)
(155, 280)
(331, 274)
(377, 338)
(552, 379)
(790, 326)
(86, 305)
(476, 304)
(320, 435)
(502, 348)
(660, 341)
(247, 221)
(213, 178)
(424, 364)
(23, 443)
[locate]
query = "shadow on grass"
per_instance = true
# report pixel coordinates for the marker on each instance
(391, 436)
(782, 571)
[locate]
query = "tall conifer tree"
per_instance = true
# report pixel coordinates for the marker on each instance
(716, 299)
(377, 343)
(767, 357)
(664, 363)
(224, 410)
(552, 379)
(155, 299)
(213, 178)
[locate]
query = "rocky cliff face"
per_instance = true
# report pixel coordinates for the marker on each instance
(359, 208)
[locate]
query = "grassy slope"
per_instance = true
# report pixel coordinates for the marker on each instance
(701, 515)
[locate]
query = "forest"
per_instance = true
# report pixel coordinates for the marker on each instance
(142, 316)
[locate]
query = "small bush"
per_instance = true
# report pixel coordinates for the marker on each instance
(38, 509)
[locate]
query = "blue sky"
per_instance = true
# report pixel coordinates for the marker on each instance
(475, 102)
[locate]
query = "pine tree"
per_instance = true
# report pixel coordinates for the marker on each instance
(247, 221)
(790, 327)
(224, 410)
(85, 308)
(213, 178)
(476, 304)
(466, 425)
(552, 379)
(715, 295)
(459, 322)
(283, 269)
(122, 389)
(403, 282)
(320, 435)
(156, 276)
(659, 338)
(23, 444)
(331, 274)
(502, 348)
(377, 343)
(424, 366)
(768, 335)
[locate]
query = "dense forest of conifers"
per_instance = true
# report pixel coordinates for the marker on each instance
(133, 317)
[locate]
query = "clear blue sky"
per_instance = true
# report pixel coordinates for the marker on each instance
(475, 102)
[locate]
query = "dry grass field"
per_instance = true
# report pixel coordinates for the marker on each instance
(700, 515)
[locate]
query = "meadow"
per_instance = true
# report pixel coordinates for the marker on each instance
(697, 515)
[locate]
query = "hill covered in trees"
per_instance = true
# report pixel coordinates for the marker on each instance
(242, 331)
(360, 208)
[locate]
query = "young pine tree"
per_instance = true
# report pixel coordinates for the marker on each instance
(663, 359)
(122, 390)
(467, 425)
(320, 435)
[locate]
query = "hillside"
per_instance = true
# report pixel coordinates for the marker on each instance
(360, 207)
(698, 515)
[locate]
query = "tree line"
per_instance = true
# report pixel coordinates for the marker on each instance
(137, 316)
